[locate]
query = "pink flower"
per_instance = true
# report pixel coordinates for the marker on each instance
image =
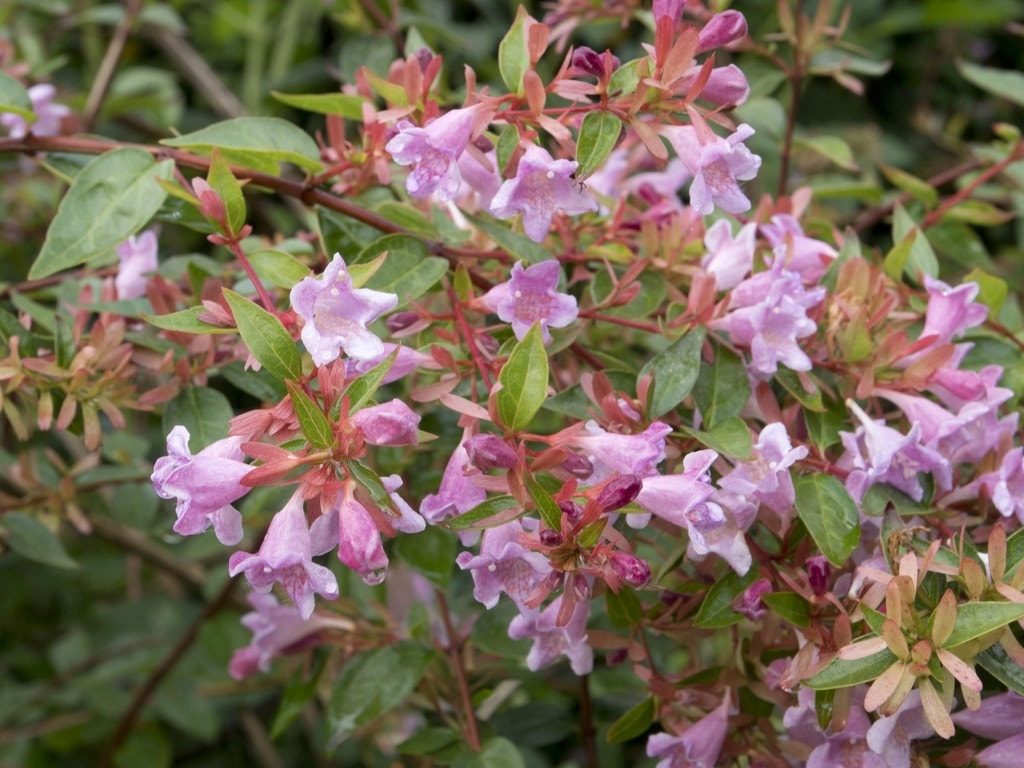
(951, 311)
(48, 113)
(392, 423)
(531, 296)
(717, 164)
(276, 629)
(336, 314)
(699, 747)
(205, 485)
(610, 452)
(541, 187)
(673, 497)
(137, 259)
(434, 150)
(722, 28)
(766, 478)
(457, 493)
(286, 557)
(797, 251)
(551, 641)
(504, 565)
(729, 258)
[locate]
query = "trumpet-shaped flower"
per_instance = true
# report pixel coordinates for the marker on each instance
(205, 485)
(137, 257)
(541, 187)
(391, 423)
(766, 478)
(531, 296)
(717, 165)
(457, 493)
(551, 641)
(336, 314)
(504, 565)
(48, 114)
(434, 151)
(276, 629)
(699, 747)
(729, 258)
(286, 557)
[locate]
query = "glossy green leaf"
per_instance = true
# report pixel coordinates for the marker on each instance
(408, 271)
(431, 552)
(347, 105)
(496, 510)
(312, 421)
(1005, 83)
(992, 290)
(547, 507)
(265, 336)
(513, 56)
(498, 752)
(830, 515)
(840, 673)
(599, 133)
(519, 246)
(832, 148)
(298, 692)
(508, 141)
(921, 259)
(789, 606)
(14, 98)
(185, 321)
(997, 662)
(245, 140)
(363, 387)
(24, 534)
(372, 483)
(277, 267)
(976, 619)
(722, 388)
(730, 437)
(716, 610)
(675, 371)
(372, 684)
(427, 741)
(226, 185)
(112, 198)
(204, 412)
(524, 380)
(910, 184)
(634, 723)
(624, 607)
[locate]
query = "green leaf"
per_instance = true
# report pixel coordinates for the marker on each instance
(675, 371)
(513, 57)
(374, 683)
(347, 105)
(976, 619)
(912, 185)
(524, 380)
(1004, 83)
(277, 267)
(498, 752)
(547, 507)
(992, 290)
(515, 244)
(830, 515)
(34, 541)
(427, 741)
(508, 141)
(716, 610)
(832, 148)
(921, 260)
(226, 185)
(312, 421)
(371, 481)
(253, 141)
(634, 723)
(14, 98)
(363, 387)
(599, 133)
(840, 673)
(297, 694)
(730, 437)
(789, 606)
(185, 321)
(408, 271)
(112, 198)
(624, 608)
(722, 388)
(493, 511)
(204, 412)
(896, 259)
(997, 662)
(265, 337)
(431, 552)
(1014, 549)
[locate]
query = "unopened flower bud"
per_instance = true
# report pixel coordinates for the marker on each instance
(549, 537)
(616, 657)
(631, 569)
(488, 343)
(573, 512)
(211, 205)
(619, 492)
(749, 602)
(587, 61)
(722, 29)
(424, 56)
(482, 143)
(490, 452)
(399, 321)
(578, 466)
(581, 588)
(819, 572)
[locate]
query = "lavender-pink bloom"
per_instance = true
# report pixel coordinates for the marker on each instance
(407, 360)
(699, 747)
(504, 565)
(48, 114)
(205, 485)
(541, 187)
(137, 259)
(275, 629)
(768, 313)
(285, 557)
(391, 423)
(626, 454)
(434, 150)
(672, 497)
(951, 311)
(1002, 754)
(673, 9)
(336, 314)
(729, 258)
(999, 717)
(766, 478)
(716, 165)
(551, 641)
(726, 86)
(713, 530)
(722, 28)
(797, 251)
(1005, 486)
(531, 296)
(457, 493)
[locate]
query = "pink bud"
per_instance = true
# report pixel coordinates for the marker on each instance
(749, 602)
(631, 569)
(722, 29)
(210, 204)
(487, 451)
(573, 512)
(581, 588)
(578, 466)
(549, 537)
(819, 572)
(399, 321)
(619, 491)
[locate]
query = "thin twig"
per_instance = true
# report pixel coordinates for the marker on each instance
(455, 651)
(587, 733)
(108, 67)
(795, 74)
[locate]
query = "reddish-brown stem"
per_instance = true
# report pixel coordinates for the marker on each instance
(467, 334)
(594, 314)
(587, 723)
(268, 302)
(795, 74)
(935, 216)
(455, 651)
